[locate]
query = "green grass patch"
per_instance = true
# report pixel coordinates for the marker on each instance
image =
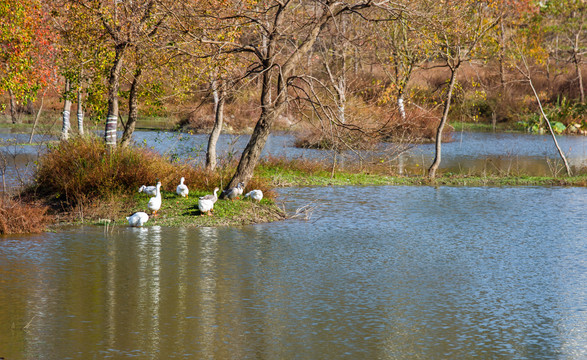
(280, 175)
(175, 211)
(179, 211)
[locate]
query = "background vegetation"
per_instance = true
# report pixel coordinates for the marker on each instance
(361, 65)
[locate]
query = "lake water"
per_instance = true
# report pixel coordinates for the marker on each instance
(389, 272)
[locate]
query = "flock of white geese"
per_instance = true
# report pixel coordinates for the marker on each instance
(205, 203)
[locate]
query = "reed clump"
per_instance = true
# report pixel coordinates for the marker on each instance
(17, 217)
(83, 168)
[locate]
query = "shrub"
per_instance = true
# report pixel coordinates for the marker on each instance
(18, 218)
(82, 170)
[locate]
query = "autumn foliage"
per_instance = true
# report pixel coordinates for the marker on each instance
(27, 44)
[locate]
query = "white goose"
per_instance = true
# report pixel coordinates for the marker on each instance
(256, 195)
(206, 203)
(155, 202)
(235, 192)
(149, 190)
(182, 190)
(137, 219)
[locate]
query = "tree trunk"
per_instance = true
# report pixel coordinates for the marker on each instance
(38, 116)
(66, 112)
(527, 74)
(252, 151)
(502, 60)
(133, 110)
(401, 107)
(80, 112)
(114, 83)
(577, 62)
(438, 153)
(13, 110)
(80, 108)
(219, 95)
(271, 108)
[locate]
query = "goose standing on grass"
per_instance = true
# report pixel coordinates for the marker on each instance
(235, 192)
(256, 195)
(137, 219)
(155, 202)
(206, 203)
(149, 190)
(182, 190)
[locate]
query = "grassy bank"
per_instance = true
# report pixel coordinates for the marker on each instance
(282, 173)
(178, 211)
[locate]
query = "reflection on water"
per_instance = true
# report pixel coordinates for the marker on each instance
(376, 273)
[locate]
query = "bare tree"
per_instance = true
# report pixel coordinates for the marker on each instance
(524, 69)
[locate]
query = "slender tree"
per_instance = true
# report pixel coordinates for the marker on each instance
(454, 29)
(401, 50)
(127, 24)
(566, 22)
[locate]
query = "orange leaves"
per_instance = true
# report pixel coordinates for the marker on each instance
(26, 48)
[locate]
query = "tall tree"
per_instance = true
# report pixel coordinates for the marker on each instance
(83, 51)
(566, 22)
(401, 49)
(218, 87)
(127, 24)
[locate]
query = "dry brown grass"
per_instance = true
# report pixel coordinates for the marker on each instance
(17, 217)
(82, 170)
(308, 166)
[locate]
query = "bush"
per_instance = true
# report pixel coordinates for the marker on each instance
(82, 170)
(18, 218)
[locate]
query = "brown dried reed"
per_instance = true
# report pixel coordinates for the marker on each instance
(17, 217)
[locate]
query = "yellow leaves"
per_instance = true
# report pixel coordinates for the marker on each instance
(387, 95)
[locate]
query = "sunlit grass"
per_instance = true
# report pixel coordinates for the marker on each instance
(179, 211)
(283, 173)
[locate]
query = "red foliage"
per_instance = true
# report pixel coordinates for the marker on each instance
(27, 49)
